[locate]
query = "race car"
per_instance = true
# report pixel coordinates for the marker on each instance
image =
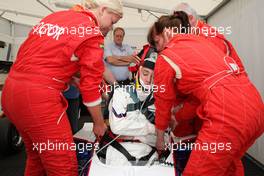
(10, 139)
(92, 159)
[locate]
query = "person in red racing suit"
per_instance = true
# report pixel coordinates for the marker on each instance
(186, 116)
(61, 45)
(230, 107)
(211, 33)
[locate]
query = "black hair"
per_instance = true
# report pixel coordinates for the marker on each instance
(179, 21)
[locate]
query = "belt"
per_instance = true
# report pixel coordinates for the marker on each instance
(124, 82)
(107, 139)
(221, 78)
(233, 70)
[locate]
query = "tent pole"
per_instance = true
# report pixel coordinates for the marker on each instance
(66, 5)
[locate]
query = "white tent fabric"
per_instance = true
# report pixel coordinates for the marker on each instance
(246, 19)
(34, 8)
(135, 22)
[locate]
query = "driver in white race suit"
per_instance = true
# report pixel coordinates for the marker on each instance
(131, 115)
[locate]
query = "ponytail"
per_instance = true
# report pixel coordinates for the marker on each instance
(179, 21)
(183, 17)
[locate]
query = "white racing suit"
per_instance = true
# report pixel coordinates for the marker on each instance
(126, 118)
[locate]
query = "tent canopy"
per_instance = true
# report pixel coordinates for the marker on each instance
(29, 12)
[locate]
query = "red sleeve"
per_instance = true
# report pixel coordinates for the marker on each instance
(188, 110)
(90, 54)
(186, 117)
(164, 79)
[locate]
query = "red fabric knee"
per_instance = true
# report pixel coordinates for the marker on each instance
(34, 165)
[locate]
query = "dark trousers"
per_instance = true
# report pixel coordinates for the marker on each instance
(73, 113)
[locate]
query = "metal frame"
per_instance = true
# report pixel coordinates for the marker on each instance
(20, 13)
(149, 9)
(65, 4)
(146, 8)
(25, 13)
(2, 13)
(44, 5)
(216, 9)
(256, 162)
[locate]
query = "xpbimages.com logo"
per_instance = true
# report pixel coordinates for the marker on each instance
(212, 147)
(146, 88)
(61, 146)
(55, 31)
(205, 31)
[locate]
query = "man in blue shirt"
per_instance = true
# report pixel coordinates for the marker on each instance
(119, 56)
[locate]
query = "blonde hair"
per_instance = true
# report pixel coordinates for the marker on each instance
(114, 6)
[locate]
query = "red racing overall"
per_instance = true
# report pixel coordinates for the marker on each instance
(186, 116)
(62, 44)
(230, 107)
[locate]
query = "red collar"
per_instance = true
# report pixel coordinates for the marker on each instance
(200, 24)
(81, 9)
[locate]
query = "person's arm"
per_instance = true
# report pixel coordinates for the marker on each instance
(111, 59)
(91, 70)
(99, 127)
(122, 60)
(187, 110)
(164, 76)
(127, 123)
(160, 141)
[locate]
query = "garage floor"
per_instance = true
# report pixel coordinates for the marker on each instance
(14, 165)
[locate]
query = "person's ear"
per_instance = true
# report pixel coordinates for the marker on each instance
(102, 10)
(167, 35)
(140, 69)
(167, 32)
(190, 17)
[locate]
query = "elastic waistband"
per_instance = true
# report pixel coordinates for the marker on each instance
(38, 79)
(222, 77)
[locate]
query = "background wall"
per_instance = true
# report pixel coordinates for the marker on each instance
(246, 17)
(12, 33)
(5, 36)
(20, 34)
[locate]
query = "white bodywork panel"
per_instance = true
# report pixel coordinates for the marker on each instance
(98, 169)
